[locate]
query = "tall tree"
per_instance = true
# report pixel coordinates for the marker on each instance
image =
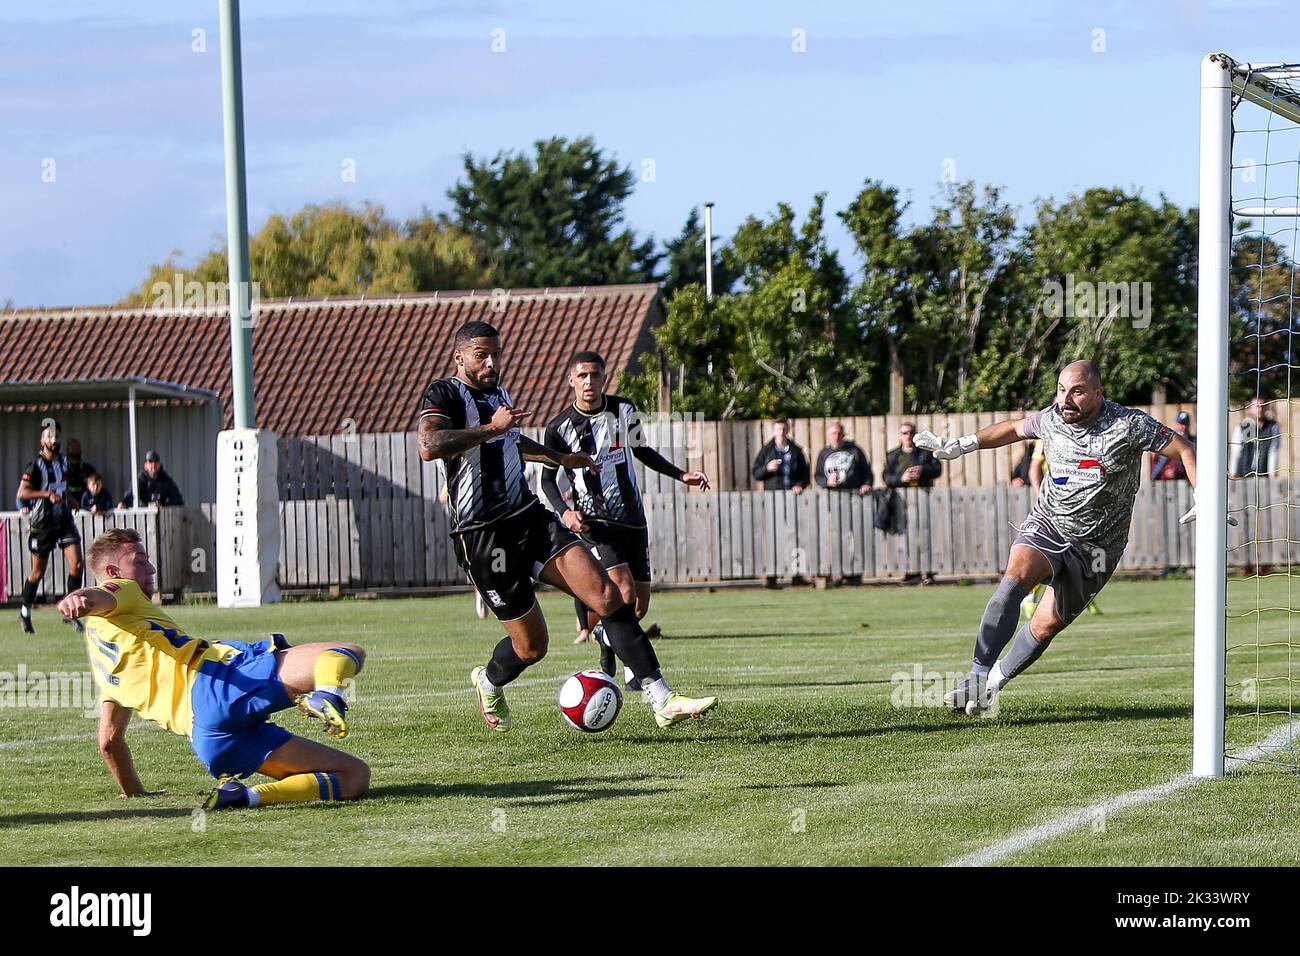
(340, 250)
(554, 218)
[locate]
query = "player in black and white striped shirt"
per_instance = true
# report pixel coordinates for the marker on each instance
(607, 509)
(44, 489)
(505, 537)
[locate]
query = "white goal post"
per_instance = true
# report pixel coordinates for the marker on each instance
(1225, 83)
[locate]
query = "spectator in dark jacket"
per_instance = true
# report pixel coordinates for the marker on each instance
(908, 466)
(841, 465)
(79, 471)
(156, 486)
(781, 464)
(95, 498)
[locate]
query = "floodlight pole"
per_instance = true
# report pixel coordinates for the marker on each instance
(241, 323)
(1210, 618)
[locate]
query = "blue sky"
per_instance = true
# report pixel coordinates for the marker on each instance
(711, 91)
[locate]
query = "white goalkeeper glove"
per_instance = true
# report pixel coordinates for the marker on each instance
(1191, 515)
(946, 449)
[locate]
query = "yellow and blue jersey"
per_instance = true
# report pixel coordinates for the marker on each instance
(142, 660)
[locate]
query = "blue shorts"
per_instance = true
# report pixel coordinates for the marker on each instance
(231, 703)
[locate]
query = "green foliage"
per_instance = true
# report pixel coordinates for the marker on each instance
(553, 218)
(338, 250)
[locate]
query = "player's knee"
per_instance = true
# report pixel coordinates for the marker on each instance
(609, 600)
(357, 651)
(532, 651)
(354, 780)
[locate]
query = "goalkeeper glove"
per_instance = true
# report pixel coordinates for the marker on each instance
(1191, 515)
(946, 449)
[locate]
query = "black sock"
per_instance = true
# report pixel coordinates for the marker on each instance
(631, 644)
(582, 611)
(505, 665)
(74, 582)
(29, 593)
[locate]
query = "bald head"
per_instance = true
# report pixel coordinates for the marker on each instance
(1078, 392)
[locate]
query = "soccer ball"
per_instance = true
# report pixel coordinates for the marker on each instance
(590, 700)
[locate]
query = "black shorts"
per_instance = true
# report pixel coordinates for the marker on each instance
(503, 558)
(42, 542)
(616, 544)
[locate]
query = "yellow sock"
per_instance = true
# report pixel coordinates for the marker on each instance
(300, 788)
(335, 666)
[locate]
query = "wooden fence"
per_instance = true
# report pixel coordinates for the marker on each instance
(386, 465)
(346, 545)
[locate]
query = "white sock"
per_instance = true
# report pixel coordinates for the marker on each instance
(487, 685)
(254, 798)
(996, 680)
(25, 611)
(658, 691)
(336, 691)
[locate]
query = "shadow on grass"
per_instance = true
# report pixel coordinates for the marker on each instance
(536, 793)
(871, 725)
(93, 816)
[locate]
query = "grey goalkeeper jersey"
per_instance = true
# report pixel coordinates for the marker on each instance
(1093, 472)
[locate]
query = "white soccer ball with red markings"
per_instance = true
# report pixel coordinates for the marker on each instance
(590, 700)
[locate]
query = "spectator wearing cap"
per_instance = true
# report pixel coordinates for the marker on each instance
(1165, 468)
(156, 486)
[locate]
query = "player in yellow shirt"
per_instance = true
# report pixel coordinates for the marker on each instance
(218, 694)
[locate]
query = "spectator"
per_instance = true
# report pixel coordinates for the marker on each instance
(841, 465)
(95, 498)
(781, 464)
(1255, 443)
(1164, 468)
(78, 472)
(1029, 472)
(908, 466)
(156, 486)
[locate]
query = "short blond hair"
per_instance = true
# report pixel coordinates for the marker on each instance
(107, 546)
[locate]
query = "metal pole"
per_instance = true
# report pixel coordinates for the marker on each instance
(708, 251)
(1210, 618)
(135, 451)
(241, 326)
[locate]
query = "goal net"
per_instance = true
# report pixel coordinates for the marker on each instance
(1247, 637)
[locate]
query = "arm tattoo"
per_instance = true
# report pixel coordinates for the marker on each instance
(534, 451)
(437, 441)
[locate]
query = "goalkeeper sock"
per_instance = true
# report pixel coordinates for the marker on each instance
(998, 625)
(298, 788)
(631, 644)
(1024, 652)
(334, 667)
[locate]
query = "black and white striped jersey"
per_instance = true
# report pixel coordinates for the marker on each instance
(51, 474)
(485, 483)
(612, 494)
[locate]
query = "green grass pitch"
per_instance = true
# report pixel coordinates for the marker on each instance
(822, 751)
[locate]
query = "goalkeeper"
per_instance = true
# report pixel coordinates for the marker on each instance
(1076, 532)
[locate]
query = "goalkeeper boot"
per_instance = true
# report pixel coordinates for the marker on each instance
(678, 707)
(227, 795)
(972, 695)
(327, 707)
(491, 704)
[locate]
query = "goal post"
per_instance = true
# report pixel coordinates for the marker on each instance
(1213, 263)
(1246, 317)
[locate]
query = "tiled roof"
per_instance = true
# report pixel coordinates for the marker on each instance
(318, 363)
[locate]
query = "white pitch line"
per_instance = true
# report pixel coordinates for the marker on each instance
(1284, 736)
